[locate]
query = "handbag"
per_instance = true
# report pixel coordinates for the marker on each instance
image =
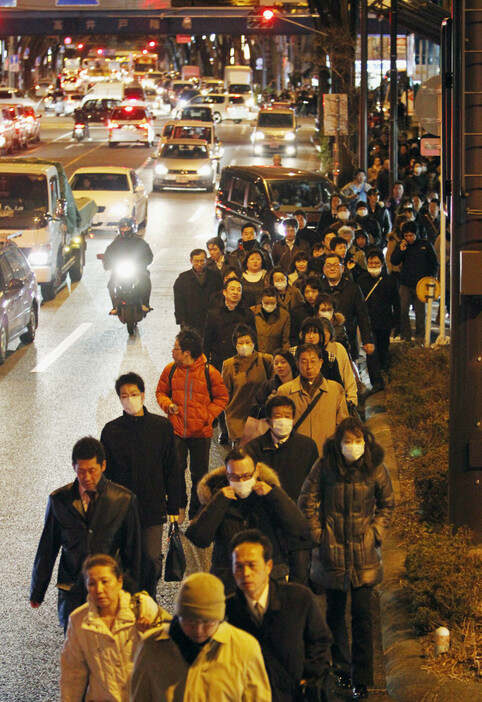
(175, 558)
(253, 428)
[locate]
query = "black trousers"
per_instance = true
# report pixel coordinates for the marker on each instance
(198, 450)
(378, 360)
(358, 664)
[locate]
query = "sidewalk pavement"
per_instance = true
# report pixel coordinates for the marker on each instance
(406, 678)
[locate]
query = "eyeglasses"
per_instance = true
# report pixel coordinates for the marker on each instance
(239, 478)
(332, 265)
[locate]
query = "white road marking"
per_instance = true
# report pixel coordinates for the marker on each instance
(197, 214)
(61, 348)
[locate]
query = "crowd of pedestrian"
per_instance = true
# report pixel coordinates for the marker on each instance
(267, 361)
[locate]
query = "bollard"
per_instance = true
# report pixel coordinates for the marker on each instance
(442, 641)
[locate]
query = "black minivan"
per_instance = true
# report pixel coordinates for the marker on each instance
(264, 196)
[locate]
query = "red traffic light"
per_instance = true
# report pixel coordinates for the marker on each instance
(151, 44)
(268, 14)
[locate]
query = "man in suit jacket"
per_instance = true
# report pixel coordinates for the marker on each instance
(91, 515)
(283, 617)
(193, 290)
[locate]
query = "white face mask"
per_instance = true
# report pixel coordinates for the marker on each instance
(132, 405)
(244, 488)
(417, 171)
(362, 213)
(282, 426)
(268, 308)
(325, 314)
(245, 350)
(281, 286)
(343, 215)
(352, 452)
(375, 272)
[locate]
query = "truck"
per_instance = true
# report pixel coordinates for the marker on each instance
(36, 202)
(238, 79)
(190, 72)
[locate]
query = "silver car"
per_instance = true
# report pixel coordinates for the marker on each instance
(185, 164)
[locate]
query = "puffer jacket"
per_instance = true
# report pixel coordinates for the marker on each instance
(220, 518)
(188, 390)
(349, 512)
(100, 658)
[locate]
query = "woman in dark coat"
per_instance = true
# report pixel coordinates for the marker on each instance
(348, 499)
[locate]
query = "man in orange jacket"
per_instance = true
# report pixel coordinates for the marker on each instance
(192, 394)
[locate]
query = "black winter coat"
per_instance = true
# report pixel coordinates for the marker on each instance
(384, 302)
(114, 530)
(349, 300)
(191, 298)
(292, 461)
(218, 332)
(133, 248)
(418, 260)
(220, 518)
(382, 216)
(294, 637)
(297, 317)
(141, 456)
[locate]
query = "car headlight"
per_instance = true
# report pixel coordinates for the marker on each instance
(39, 257)
(119, 210)
(289, 136)
(258, 136)
(205, 170)
(160, 169)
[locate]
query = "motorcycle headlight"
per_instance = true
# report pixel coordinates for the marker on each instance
(160, 169)
(125, 270)
(258, 136)
(119, 210)
(205, 170)
(289, 136)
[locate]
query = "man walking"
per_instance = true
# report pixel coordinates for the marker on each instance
(193, 290)
(90, 515)
(283, 617)
(192, 394)
(141, 456)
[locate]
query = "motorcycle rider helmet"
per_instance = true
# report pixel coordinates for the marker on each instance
(128, 226)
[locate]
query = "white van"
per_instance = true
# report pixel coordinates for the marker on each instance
(106, 89)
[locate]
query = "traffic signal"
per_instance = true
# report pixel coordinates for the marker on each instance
(261, 19)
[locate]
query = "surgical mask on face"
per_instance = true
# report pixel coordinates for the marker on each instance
(325, 314)
(282, 426)
(281, 285)
(375, 272)
(245, 350)
(352, 452)
(244, 488)
(362, 213)
(343, 215)
(417, 171)
(268, 308)
(132, 405)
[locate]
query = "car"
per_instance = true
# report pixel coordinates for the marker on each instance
(14, 94)
(20, 127)
(117, 191)
(198, 112)
(54, 102)
(7, 130)
(131, 123)
(185, 96)
(99, 109)
(184, 163)
(32, 120)
(224, 106)
(275, 132)
(43, 87)
(192, 129)
(72, 84)
(72, 102)
(263, 196)
(214, 85)
(19, 295)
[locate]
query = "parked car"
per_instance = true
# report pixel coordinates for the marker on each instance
(225, 106)
(275, 132)
(117, 191)
(263, 196)
(131, 123)
(19, 296)
(184, 163)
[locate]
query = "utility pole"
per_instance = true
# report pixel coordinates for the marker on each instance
(363, 131)
(393, 93)
(465, 442)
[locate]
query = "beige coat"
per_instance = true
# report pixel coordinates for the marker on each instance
(229, 668)
(273, 332)
(346, 370)
(242, 377)
(98, 657)
(330, 410)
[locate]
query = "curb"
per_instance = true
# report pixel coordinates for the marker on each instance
(407, 681)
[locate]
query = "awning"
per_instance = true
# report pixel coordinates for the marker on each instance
(421, 17)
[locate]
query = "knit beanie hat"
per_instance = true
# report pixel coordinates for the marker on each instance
(201, 596)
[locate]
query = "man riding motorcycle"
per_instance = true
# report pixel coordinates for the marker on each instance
(80, 117)
(128, 246)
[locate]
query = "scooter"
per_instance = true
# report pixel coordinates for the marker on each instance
(128, 302)
(79, 130)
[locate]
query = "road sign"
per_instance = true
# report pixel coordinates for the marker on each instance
(430, 146)
(183, 38)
